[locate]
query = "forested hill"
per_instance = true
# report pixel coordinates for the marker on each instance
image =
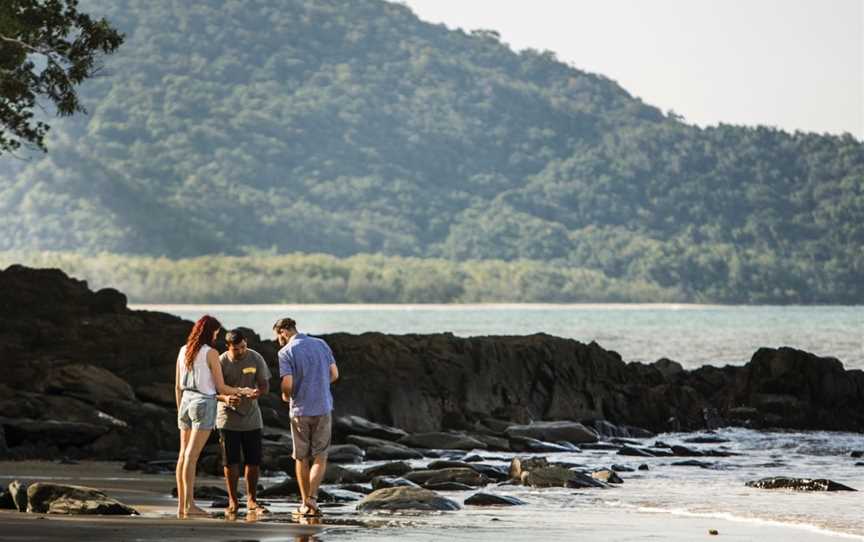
(351, 127)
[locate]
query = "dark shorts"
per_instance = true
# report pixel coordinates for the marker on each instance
(240, 447)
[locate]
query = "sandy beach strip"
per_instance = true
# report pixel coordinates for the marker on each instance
(150, 494)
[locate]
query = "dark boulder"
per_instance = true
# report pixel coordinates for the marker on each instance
(382, 482)
(337, 474)
(573, 432)
(334, 495)
(607, 429)
(707, 439)
(395, 468)
(286, 488)
(798, 484)
(345, 453)
(160, 393)
(437, 440)
(18, 493)
(6, 501)
(356, 488)
(61, 433)
(355, 425)
(634, 451)
(447, 486)
(531, 445)
(693, 463)
(405, 498)
(467, 476)
(89, 383)
(390, 452)
(492, 442)
(62, 499)
(448, 464)
(683, 451)
(489, 499)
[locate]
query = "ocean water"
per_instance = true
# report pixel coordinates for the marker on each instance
(714, 494)
(693, 335)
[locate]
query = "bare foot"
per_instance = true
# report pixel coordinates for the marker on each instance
(233, 506)
(253, 506)
(196, 512)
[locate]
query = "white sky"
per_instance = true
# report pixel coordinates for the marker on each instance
(794, 64)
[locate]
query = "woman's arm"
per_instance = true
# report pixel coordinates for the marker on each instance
(178, 392)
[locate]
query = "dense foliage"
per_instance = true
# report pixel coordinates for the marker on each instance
(344, 128)
(47, 49)
(320, 278)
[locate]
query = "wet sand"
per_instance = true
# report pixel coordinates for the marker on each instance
(150, 494)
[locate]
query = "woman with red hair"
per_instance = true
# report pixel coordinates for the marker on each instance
(198, 379)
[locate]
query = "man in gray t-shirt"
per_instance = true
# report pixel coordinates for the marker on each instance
(239, 418)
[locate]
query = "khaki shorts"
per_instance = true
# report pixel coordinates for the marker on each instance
(310, 435)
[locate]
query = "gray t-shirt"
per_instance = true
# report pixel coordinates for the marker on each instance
(248, 371)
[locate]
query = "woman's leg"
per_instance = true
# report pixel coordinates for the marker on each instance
(181, 487)
(196, 443)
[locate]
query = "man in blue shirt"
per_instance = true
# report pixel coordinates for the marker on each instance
(307, 368)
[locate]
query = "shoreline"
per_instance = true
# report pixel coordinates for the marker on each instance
(558, 519)
(592, 520)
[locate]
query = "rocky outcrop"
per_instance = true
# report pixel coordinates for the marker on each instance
(84, 376)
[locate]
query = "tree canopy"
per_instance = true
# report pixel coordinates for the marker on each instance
(47, 49)
(346, 128)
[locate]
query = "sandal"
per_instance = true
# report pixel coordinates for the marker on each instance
(312, 506)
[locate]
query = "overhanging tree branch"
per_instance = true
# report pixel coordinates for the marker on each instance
(71, 44)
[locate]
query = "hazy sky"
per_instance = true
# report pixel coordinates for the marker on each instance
(794, 64)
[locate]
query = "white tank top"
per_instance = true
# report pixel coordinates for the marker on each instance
(200, 379)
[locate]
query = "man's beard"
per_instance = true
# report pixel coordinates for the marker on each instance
(282, 341)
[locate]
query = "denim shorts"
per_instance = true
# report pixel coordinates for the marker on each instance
(197, 411)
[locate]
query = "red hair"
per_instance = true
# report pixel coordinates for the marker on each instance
(201, 334)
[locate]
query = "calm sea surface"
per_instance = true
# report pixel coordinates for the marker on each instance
(691, 334)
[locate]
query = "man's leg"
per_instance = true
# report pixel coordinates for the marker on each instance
(300, 438)
(301, 468)
(320, 439)
(230, 466)
(252, 474)
(252, 458)
(316, 474)
(232, 476)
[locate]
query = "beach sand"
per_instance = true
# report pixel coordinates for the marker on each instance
(150, 494)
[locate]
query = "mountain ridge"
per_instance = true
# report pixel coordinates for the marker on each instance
(351, 128)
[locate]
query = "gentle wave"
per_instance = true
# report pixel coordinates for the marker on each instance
(728, 516)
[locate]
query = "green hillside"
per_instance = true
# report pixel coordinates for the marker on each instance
(348, 128)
